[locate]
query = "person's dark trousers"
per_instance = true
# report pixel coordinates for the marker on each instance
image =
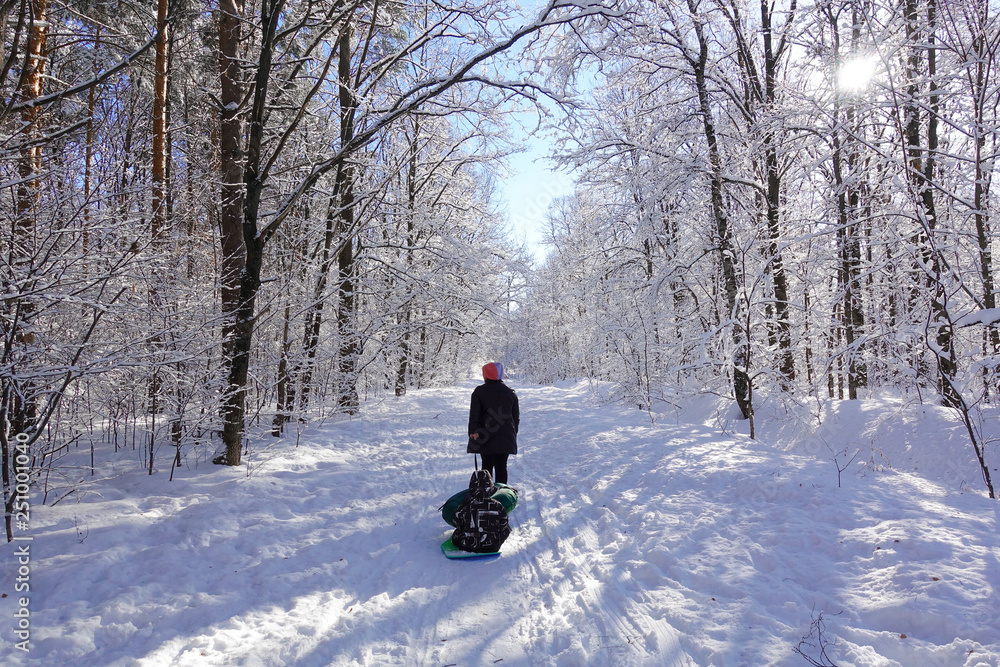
(496, 465)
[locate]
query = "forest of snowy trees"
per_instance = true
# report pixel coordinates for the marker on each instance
(233, 215)
(778, 199)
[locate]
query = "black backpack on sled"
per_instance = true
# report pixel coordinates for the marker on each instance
(480, 521)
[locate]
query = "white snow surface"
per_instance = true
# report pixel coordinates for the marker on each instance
(678, 541)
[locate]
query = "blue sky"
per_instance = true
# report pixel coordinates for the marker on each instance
(532, 183)
(530, 188)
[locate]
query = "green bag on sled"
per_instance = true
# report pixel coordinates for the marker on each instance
(507, 495)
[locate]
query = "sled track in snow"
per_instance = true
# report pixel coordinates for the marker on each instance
(590, 609)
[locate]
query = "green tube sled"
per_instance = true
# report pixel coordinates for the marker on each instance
(507, 495)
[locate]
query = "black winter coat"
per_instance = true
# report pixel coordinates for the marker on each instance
(495, 416)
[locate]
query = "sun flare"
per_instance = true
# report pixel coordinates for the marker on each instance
(856, 73)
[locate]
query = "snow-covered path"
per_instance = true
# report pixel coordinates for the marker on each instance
(633, 544)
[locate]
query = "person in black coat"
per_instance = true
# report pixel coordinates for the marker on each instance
(493, 421)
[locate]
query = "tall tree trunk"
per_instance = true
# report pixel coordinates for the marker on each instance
(190, 218)
(808, 335)
(230, 20)
(127, 169)
(303, 372)
(23, 410)
(286, 394)
(160, 91)
(854, 315)
(18, 408)
(848, 202)
(979, 72)
(88, 163)
(772, 55)
(847, 271)
(922, 168)
(347, 394)
(726, 248)
(234, 406)
(405, 316)
(159, 213)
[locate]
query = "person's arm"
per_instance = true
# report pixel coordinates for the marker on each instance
(474, 414)
(515, 410)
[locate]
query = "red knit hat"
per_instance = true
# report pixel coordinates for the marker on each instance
(493, 371)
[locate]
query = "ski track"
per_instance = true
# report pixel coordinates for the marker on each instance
(572, 530)
(632, 544)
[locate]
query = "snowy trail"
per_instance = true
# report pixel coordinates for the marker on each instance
(633, 544)
(571, 539)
